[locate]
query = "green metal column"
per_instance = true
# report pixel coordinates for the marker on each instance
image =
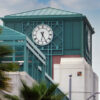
(82, 39)
(13, 58)
(25, 58)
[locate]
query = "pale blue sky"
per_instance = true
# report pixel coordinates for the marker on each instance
(90, 8)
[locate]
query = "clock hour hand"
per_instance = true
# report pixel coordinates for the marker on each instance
(42, 33)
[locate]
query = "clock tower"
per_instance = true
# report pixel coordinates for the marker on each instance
(66, 40)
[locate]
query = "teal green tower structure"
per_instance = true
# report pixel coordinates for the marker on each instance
(72, 33)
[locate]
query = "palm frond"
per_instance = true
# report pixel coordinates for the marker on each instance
(51, 89)
(39, 92)
(29, 93)
(4, 81)
(5, 50)
(10, 97)
(42, 88)
(9, 67)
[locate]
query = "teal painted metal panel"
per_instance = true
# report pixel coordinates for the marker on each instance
(10, 43)
(73, 52)
(68, 35)
(72, 38)
(82, 39)
(77, 32)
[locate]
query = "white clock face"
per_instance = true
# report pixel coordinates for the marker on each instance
(42, 34)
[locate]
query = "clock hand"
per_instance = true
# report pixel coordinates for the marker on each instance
(42, 33)
(43, 36)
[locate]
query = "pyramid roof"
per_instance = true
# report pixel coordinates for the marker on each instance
(48, 11)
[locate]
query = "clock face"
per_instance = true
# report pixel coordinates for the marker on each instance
(42, 34)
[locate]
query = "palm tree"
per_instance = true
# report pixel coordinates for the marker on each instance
(38, 92)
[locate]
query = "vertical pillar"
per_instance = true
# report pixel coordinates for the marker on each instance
(25, 58)
(70, 86)
(82, 39)
(13, 58)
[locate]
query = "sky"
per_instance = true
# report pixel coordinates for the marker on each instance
(90, 8)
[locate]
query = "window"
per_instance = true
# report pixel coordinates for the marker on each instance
(79, 73)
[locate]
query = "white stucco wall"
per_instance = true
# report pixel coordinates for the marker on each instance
(82, 86)
(16, 81)
(96, 85)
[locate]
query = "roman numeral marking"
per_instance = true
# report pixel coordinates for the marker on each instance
(49, 38)
(35, 38)
(34, 34)
(38, 27)
(50, 34)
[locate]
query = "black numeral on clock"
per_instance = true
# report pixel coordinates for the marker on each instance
(35, 38)
(49, 38)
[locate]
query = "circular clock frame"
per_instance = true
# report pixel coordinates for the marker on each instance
(89, 40)
(42, 34)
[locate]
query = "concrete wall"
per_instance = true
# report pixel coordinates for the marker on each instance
(82, 85)
(16, 81)
(96, 85)
(1, 96)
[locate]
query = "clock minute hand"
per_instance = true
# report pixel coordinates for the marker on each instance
(42, 33)
(43, 36)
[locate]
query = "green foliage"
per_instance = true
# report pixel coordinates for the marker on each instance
(10, 97)
(33, 92)
(5, 50)
(51, 90)
(4, 85)
(39, 92)
(9, 67)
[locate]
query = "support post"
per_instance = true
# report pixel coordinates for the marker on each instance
(70, 86)
(13, 58)
(25, 59)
